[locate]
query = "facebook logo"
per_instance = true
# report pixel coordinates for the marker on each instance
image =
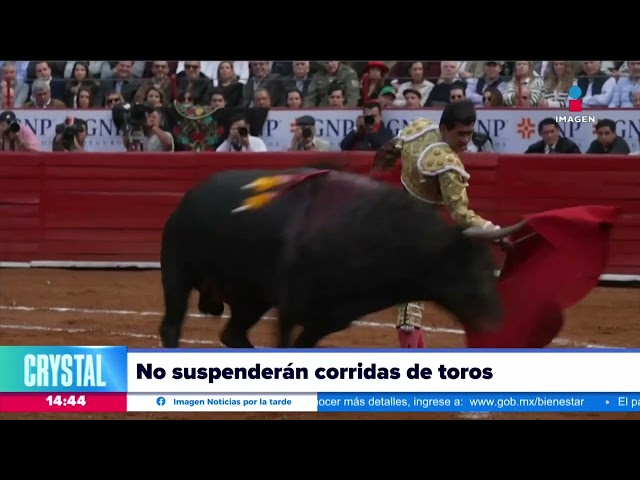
(160, 401)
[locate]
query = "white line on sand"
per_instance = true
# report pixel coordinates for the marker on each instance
(360, 323)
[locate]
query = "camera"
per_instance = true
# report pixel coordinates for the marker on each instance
(369, 120)
(307, 132)
(68, 131)
(14, 127)
(243, 131)
(130, 119)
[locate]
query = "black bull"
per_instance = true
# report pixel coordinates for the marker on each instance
(330, 250)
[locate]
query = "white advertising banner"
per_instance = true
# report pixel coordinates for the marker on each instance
(512, 130)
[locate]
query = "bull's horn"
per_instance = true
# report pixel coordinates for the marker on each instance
(497, 234)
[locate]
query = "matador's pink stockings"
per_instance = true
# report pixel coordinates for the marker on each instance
(410, 339)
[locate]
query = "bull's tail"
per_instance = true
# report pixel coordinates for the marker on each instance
(266, 189)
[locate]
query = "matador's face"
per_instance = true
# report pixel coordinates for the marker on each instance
(458, 137)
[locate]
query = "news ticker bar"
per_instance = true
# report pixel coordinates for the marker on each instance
(322, 402)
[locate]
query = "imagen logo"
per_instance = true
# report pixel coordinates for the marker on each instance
(575, 103)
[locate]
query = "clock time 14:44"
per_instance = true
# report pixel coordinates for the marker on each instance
(66, 400)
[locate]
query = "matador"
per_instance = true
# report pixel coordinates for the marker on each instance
(433, 172)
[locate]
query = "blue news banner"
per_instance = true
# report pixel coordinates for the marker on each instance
(479, 402)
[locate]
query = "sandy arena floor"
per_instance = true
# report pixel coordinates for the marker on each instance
(79, 307)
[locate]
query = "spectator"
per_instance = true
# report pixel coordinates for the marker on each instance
(490, 79)
(44, 73)
(412, 98)
(492, 98)
(622, 91)
(194, 85)
(608, 142)
(387, 97)
(635, 97)
(263, 78)
(7, 96)
(471, 69)
(370, 133)
(558, 80)
(239, 139)
(334, 74)
(228, 82)
(148, 69)
(113, 98)
(155, 138)
(417, 83)
(160, 81)
(217, 99)
(122, 82)
(294, 98)
(110, 69)
(154, 97)
(597, 87)
(210, 69)
(300, 79)
(337, 96)
(84, 98)
(14, 137)
(439, 95)
(82, 78)
(374, 80)
(95, 68)
(21, 70)
(552, 141)
(41, 97)
(20, 88)
(525, 76)
(261, 98)
(480, 142)
(304, 136)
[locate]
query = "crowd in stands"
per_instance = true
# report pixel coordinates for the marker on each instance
(195, 89)
(304, 84)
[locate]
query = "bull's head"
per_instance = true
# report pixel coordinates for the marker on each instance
(468, 283)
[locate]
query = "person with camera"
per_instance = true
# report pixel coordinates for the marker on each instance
(15, 138)
(141, 127)
(239, 139)
(370, 133)
(304, 136)
(71, 135)
(155, 138)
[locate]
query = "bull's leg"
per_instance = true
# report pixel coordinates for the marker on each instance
(409, 325)
(286, 323)
(176, 296)
(314, 332)
(209, 302)
(244, 315)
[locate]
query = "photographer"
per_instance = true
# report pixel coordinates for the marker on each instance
(70, 135)
(304, 136)
(370, 133)
(155, 138)
(14, 137)
(140, 125)
(239, 139)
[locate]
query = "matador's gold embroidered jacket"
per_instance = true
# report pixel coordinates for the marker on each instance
(433, 172)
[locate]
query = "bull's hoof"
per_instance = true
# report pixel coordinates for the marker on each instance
(211, 308)
(230, 340)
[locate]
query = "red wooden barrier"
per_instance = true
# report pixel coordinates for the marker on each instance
(111, 207)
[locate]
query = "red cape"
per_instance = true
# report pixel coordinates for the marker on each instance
(556, 260)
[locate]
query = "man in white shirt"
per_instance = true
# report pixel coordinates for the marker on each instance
(239, 139)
